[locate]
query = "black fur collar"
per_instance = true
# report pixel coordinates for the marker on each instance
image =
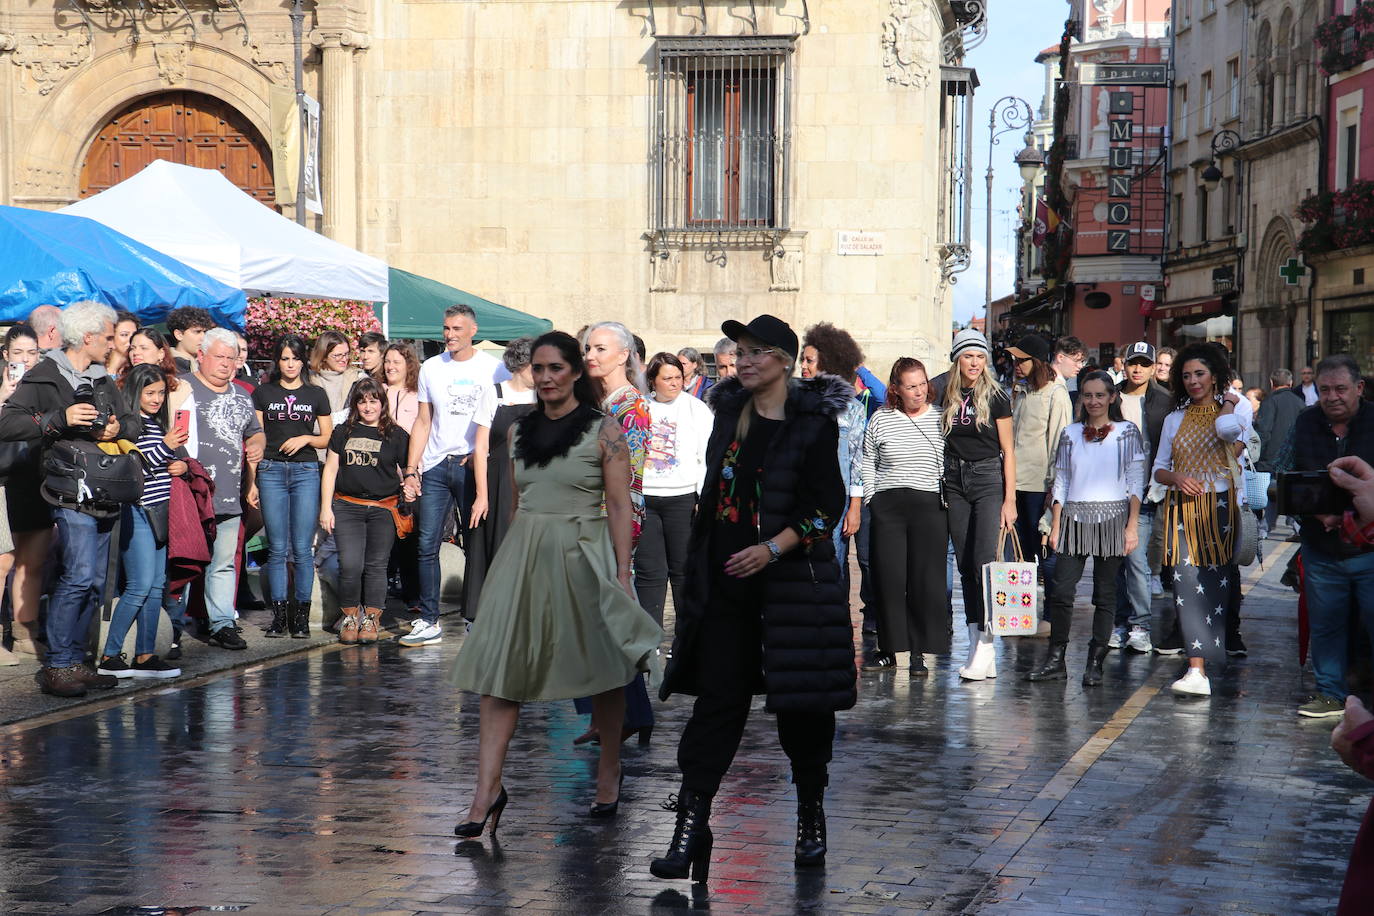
(828, 395)
(536, 445)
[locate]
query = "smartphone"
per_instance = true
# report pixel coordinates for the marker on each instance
(16, 371)
(182, 421)
(1311, 493)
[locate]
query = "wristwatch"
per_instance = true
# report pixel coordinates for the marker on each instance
(774, 551)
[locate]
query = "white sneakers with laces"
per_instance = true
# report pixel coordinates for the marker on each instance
(422, 633)
(1139, 640)
(1194, 683)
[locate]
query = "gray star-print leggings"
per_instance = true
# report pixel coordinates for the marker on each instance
(1201, 596)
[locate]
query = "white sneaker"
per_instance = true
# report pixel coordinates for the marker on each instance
(422, 634)
(1139, 640)
(1194, 683)
(1117, 639)
(1156, 587)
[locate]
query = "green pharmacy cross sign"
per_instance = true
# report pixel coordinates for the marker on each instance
(1292, 271)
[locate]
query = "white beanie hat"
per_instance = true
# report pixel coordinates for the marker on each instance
(968, 339)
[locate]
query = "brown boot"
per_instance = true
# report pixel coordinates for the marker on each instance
(348, 630)
(367, 630)
(62, 682)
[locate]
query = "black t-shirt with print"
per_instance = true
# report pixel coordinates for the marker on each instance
(369, 464)
(967, 440)
(287, 413)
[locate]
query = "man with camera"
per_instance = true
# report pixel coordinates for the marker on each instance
(70, 398)
(1336, 572)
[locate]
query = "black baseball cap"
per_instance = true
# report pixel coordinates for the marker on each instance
(1142, 351)
(773, 331)
(1031, 345)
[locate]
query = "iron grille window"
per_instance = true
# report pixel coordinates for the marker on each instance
(722, 133)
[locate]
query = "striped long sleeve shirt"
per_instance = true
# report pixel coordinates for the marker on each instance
(157, 483)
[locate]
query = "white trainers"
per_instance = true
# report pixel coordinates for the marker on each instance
(1194, 683)
(1139, 640)
(1156, 587)
(422, 634)
(1117, 639)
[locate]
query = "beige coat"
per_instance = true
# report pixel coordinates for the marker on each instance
(1037, 420)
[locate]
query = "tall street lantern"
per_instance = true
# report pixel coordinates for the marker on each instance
(1008, 113)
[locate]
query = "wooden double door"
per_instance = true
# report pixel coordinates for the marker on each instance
(184, 127)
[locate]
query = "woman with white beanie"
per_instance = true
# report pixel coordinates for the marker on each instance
(980, 481)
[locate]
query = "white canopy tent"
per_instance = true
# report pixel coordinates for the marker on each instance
(201, 219)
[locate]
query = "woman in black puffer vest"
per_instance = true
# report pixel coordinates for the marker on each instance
(763, 607)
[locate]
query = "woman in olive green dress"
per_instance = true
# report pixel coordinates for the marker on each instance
(557, 618)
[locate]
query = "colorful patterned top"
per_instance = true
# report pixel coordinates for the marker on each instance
(629, 408)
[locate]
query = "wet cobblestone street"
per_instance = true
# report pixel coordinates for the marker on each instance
(330, 782)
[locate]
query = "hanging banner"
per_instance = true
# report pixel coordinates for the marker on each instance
(286, 148)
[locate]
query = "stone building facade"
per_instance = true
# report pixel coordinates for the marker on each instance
(669, 165)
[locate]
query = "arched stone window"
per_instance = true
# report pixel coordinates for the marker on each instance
(1262, 112)
(1283, 69)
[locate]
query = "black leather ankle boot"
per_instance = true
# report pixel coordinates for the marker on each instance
(300, 620)
(1093, 675)
(690, 848)
(278, 627)
(810, 850)
(1053, 669)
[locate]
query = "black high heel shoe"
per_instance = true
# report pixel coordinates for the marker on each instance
(609, 809)
(471, 829)
(689, 851)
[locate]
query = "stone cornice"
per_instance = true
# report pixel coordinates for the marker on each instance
(1278, 141)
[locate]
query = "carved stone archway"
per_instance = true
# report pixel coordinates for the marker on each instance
(51, 160)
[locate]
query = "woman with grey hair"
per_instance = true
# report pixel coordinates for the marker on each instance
(514, 399)
(694, 382)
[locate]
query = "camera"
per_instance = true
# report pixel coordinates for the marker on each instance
(1311, 493)
(85, 394)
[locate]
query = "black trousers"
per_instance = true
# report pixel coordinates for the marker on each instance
(909, 533)
(363, 536)
(661, 557)
(1068, 569)
(974, 492)
(729, 670)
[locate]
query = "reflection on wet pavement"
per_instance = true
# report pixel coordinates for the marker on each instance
(330, 783)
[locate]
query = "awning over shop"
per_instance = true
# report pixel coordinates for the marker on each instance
(57, 259)
(417, 311)
(200, 218)
(1038, 304)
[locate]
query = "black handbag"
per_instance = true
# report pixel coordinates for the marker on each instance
(14, 456)
(77, 474)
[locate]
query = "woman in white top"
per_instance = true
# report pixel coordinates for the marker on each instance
(674, 468)
(1197, 449)
(903, 457)
(1099, 477)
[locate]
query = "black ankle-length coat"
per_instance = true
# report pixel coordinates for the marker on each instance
(808, 642)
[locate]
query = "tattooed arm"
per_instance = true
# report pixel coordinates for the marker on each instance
(616, 477)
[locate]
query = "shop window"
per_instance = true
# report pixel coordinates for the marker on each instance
(1352, 332)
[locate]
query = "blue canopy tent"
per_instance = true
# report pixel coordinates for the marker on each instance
(55, 259)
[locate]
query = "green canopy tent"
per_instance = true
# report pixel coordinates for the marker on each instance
(416, 310)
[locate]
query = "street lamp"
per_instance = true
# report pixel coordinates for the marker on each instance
(1223, 141)
(1014, 114)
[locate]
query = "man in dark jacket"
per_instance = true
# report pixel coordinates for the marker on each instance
(1336, 573)
(63, 398)
(1145, 403)
(1274, 422)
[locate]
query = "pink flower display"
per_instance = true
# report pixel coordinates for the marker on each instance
(268, 318)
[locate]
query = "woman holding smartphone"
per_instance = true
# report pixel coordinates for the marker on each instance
(295, 416)
(29, 534)
(143, 532)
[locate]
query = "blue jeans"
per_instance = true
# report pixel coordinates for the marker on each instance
(75, 598)
(1332, 585)
(1133, 600)
(290, 494)
(145, 573)
(440, 487)
(221, 578)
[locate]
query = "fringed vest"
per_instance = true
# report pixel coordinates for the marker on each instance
(1198, 452)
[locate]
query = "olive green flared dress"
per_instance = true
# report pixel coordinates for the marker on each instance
(553, 623)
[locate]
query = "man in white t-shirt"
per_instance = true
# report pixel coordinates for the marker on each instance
(448, 453)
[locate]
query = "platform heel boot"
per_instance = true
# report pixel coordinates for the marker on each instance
(278, 627)
(690, 849)
(810, 851)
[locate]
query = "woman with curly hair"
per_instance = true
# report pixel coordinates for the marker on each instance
(1197, 451)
